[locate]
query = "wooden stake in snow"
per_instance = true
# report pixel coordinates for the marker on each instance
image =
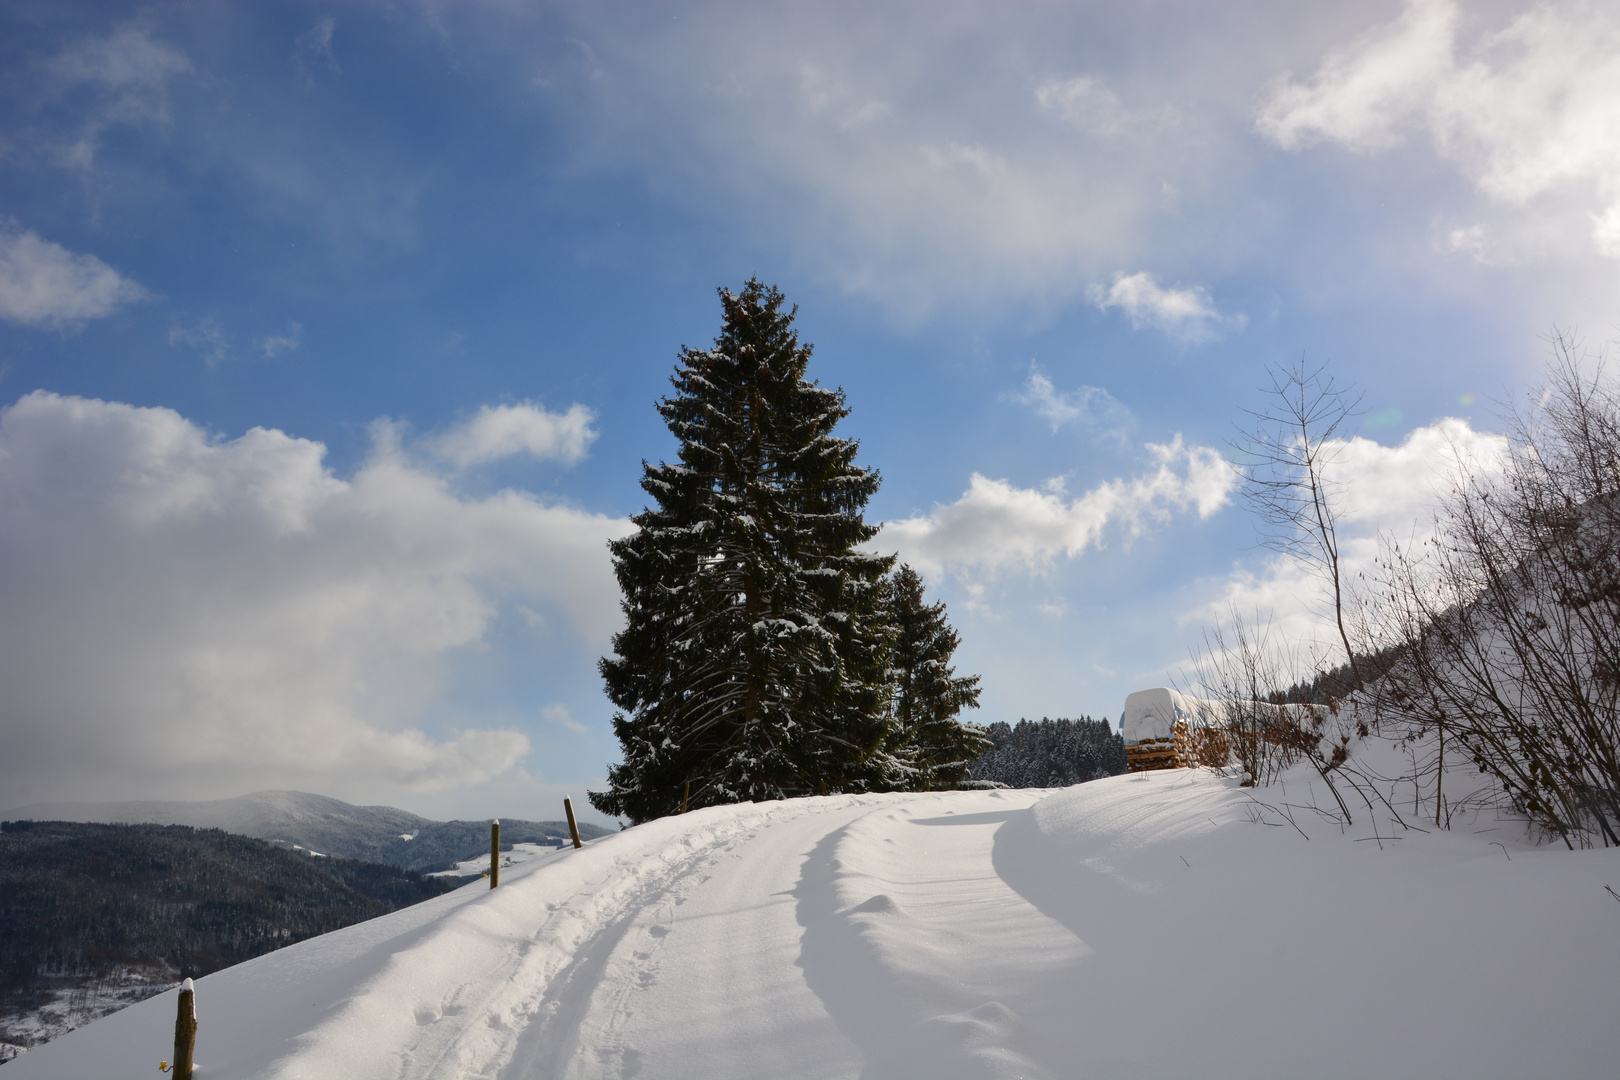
(185, 1031)
(495, 853)
(686, 793)
(568, 808)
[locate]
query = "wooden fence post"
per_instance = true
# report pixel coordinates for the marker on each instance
(686, 793)
(495, 853)
(185, 1031)
(568, 808)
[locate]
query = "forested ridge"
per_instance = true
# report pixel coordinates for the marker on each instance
(1050, 753)
(80, 901)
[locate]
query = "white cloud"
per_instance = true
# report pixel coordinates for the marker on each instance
(887, 163)
(825, 94)
(1185, 313)
(1091, 407)
(1084, 102)
(276, 344)
(1606, 231)
(313, 49)
(45, 284)
(344, 186)
(129, 71)
(1394, 490)
(559, 715)
(1472, 240)
(995, 526)
(128, 60)
(192, 614)
(1528, 111)
(1363, 94)
(502, 431)
(206, 336)
(1392, 487)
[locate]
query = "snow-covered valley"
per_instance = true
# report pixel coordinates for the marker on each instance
(1153, 924)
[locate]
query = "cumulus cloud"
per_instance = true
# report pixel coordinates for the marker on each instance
(995, 526)
(1526, 111)
(1188, 314)
(1395, 486)
(194, 614)
(503, 431)
(1391, 490)
(44, 284)
(1090, 407)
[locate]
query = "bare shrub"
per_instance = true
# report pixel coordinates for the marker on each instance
(1239, 672)
(1248, 724)
(1507, 623)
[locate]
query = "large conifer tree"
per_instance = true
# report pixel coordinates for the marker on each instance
(754, 660)
(929, 748)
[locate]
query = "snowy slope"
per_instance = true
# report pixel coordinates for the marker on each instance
(1160, 924)
(298, 819)
(318, 821)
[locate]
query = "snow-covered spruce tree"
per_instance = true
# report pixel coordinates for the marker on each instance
(928, 746)
(754, 660)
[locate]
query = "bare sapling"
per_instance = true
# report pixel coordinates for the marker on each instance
(1286, 457)
(1238, 672)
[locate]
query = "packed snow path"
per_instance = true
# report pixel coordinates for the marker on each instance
(1150, 925)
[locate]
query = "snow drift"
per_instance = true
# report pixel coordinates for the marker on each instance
(1156, 924)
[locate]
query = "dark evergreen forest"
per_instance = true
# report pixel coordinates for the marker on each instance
(78, 901)
(1050, 753)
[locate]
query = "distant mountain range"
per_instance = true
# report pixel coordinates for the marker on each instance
(320, 824)
(94, 917)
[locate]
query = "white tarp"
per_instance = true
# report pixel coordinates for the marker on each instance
(1152, 714)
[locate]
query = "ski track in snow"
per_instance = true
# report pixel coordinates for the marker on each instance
(854, 940)
(1144, 925)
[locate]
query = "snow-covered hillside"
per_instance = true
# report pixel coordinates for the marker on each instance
(1156, 924)
(319, 823)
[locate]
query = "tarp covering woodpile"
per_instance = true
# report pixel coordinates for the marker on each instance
(1156, 723)
(1148, 725)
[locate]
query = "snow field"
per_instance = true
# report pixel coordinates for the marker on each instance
(1158, 924)
(1228, 944)
(519, 855)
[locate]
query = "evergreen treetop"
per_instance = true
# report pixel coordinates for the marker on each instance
(754, 660)
(930, 746)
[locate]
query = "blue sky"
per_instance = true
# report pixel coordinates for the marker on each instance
(330, 335)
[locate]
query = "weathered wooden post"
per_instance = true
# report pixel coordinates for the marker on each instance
(185, 1031)
(568, 808)
(495, 853)
(686, 793)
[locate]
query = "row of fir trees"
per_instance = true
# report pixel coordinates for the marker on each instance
(765, 655)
